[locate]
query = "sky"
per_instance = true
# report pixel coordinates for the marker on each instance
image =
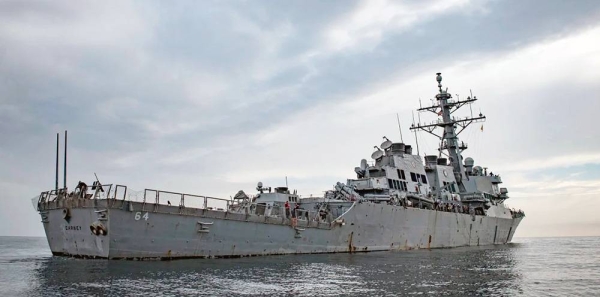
(211, 97)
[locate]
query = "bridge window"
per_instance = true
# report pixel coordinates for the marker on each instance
(401, 174)
(423, 179)
(413, 176)
(391, 184)
(403, 186)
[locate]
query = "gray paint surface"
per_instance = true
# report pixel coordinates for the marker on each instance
(166, 233)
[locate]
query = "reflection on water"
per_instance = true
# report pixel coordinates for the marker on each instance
(553, 266)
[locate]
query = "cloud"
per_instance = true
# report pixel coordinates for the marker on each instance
(554, 162)
(210, 98)
(367, 25)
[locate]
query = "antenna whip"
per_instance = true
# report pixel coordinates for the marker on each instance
(399, 128)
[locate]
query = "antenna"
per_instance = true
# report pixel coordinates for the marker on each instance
(399, 129)
(419, 118)
(386, 144)
(56, 176)
(471, 109)
(376, 154)
(416, 139)
(65, 164)
(286, 184)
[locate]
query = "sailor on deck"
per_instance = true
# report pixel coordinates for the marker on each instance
(287, 209)
(296, 208)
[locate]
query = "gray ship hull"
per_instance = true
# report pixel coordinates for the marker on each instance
(146, 231)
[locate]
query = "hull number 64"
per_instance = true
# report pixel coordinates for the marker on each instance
(138, 216)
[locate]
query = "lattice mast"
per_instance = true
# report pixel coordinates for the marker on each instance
(449, 144)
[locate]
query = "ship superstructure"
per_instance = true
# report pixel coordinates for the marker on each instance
(450, 172)
(397, 201)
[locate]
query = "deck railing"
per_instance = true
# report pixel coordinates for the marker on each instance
(159, 197)
(152, 198)
(122, 193)
(105, 191)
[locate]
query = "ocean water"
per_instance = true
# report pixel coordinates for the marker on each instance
(568, 266)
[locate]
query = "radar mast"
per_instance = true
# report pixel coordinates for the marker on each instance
(449, 144)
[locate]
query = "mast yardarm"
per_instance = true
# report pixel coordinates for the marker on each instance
(451, 126)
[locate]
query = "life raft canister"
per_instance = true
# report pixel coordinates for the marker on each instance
(66, 213)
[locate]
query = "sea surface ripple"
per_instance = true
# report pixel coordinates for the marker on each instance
(566, 266)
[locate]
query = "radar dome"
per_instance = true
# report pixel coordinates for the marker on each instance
(363, 164)
(469, 162)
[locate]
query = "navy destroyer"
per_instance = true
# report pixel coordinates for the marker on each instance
(397, 201)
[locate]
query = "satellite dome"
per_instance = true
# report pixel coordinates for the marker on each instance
(469, 162)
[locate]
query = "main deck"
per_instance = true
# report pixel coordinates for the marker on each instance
(112, 226)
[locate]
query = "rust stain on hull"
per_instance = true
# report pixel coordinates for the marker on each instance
(351, 247)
